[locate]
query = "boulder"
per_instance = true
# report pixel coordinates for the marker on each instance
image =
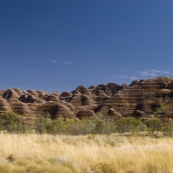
(85, 114)
(113, 113)
(139, 113)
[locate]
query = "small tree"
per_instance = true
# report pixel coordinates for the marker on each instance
(10, 122)
(99, 127)
(84, 126)
(110, 126)
(154, 124)
(167, 128)
(133, 124)
(121, 125)
(40, 124)
(54, 126)
(163, 110)
(129, 124)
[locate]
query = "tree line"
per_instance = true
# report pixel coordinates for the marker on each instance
(10, 122)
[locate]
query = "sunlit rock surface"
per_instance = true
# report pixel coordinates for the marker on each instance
(140, 98)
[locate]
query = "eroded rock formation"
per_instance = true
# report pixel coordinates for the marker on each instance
(140, 99)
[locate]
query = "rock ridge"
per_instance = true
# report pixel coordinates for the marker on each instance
(140, 98)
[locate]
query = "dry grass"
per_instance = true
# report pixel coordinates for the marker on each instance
(84, 154)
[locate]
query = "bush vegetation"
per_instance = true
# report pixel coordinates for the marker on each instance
(13, 123)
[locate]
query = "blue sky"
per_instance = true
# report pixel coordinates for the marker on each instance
(58, 45)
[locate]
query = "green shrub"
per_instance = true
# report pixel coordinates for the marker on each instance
(167, 128)
(129, 124)
(40, 124)
(163, 110)
(110, 126)
(154, 124)
(99, 127)
(12, 123)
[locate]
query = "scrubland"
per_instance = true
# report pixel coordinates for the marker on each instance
(34, 153)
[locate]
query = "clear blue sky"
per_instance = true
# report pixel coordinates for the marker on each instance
(57, 45)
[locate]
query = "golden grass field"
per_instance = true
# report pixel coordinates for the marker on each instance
(33, 153)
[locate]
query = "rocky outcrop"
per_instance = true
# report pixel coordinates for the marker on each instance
(143, 95)
(109, 89)
(42, 94)
(27, 98)
(4, 105)
(85, 114)
(55, 110)
(139, 114)
(56, 93)
(32, 92)
(52, 97)
(10, 94)
(18, 91)
(20, 108)
(69, 105)
(65, 96)
(113, 113)
(141, 98)
(2, 92)
(83, 90)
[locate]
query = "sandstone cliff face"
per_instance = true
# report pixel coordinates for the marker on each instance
(143, 95)
(4, 105)
(10, 94)
(140, 98)
(55, 110)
